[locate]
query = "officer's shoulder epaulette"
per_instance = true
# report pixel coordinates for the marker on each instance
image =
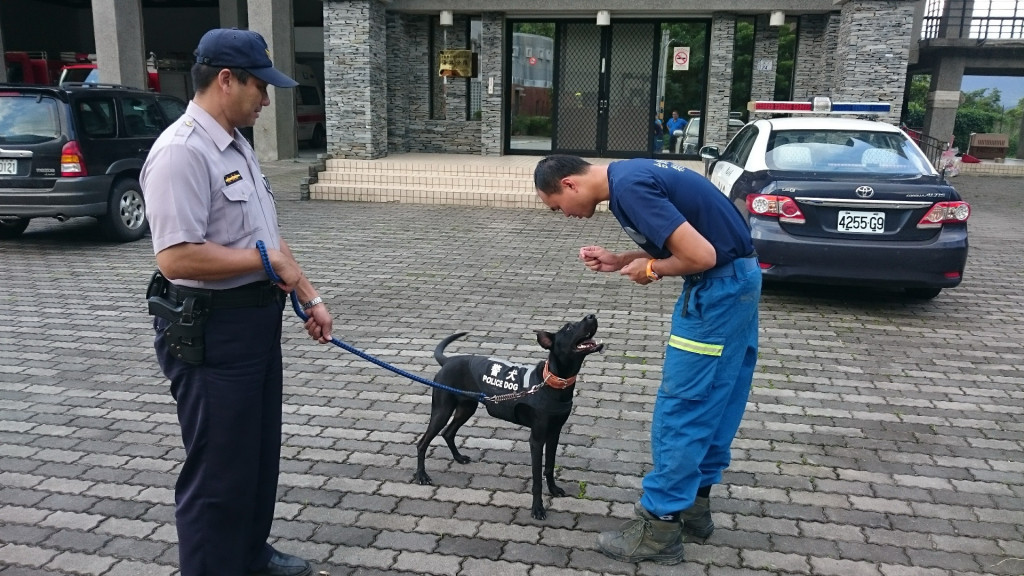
(185, 127)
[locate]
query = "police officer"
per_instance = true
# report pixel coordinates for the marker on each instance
(684, 227)
(218, 335)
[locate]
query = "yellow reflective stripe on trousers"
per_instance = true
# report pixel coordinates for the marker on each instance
(694, 346)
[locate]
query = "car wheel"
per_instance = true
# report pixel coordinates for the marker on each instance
(12, 227)
(923, 293)
(126, 212)
(319, 139)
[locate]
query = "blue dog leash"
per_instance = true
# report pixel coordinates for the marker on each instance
(481, 397)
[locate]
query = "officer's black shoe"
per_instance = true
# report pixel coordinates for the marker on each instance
(284, 565)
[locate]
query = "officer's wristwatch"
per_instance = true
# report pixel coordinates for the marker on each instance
(313, 302)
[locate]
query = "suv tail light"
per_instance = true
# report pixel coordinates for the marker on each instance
(782, 207)
(71, 161)
(945, 213)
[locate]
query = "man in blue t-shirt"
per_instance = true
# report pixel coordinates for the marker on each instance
(687, 228)
(675, 124)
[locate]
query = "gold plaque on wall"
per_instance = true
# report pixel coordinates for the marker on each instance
(456, 63)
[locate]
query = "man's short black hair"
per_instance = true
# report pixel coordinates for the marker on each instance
(203, 75)
(547, 177)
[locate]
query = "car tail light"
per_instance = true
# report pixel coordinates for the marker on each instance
(71, 161)
(782, 207)
(945, 213)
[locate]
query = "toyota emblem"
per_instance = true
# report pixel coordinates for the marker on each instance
(865, 191)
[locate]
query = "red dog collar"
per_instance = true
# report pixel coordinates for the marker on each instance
(556, 382)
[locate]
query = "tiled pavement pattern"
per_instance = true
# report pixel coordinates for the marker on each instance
(883, 436)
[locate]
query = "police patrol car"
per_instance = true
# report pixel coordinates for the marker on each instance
(835, 200)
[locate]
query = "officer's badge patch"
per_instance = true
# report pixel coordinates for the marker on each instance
(232, 178)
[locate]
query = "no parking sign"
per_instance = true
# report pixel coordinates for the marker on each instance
(681, 58)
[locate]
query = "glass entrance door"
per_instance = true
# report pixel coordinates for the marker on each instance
(605, 87)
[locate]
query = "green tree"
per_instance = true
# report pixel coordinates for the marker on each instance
(684, 89)
(538, 28)
(742, 66)
(786, 59)
(978, 113)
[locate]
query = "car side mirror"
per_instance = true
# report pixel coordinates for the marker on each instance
(709, 153)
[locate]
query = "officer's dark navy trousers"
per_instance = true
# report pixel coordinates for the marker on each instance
(229, 409)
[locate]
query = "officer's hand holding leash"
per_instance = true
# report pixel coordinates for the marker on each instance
(318, 321)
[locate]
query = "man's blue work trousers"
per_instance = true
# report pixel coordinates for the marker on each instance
(709, 365)
(229, 408)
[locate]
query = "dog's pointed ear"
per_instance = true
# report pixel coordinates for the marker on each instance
(545, 339)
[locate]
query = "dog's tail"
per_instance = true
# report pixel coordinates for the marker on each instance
(439, 351)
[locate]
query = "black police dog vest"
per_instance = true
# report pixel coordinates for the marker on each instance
(497, 377)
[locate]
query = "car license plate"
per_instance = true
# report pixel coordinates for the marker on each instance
(861, 222)
(8, 166)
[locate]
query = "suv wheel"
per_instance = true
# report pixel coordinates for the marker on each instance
(125, 220)
(12, 227)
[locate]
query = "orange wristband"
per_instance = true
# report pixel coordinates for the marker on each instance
(651, 274)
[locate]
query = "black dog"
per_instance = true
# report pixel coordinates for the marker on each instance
(545, 409)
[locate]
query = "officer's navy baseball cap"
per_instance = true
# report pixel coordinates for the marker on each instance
(245, 49)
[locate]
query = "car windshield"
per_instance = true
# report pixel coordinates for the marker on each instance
(28, 119)
(860, 151)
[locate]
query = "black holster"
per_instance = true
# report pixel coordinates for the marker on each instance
(185, 333)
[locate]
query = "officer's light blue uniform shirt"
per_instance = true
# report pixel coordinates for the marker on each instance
(203, 184)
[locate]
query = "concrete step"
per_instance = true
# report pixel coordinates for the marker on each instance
(430, 180)
(465, 166)
(423, 194)
(457, 179)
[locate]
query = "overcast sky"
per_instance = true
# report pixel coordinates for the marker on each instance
(1011, 87)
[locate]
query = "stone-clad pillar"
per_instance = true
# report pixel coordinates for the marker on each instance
(355, 76)
(120, 52)
(872, 52)
(274, 134)
(492, 46)
(398, 81)
(766, 60)
(720, 75)
(811, 77)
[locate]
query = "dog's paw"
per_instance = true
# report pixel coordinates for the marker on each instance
(555, 490)
(422, 478)
(539, 513)
(463, 459)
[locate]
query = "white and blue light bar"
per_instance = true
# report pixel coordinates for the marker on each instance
(819, 105)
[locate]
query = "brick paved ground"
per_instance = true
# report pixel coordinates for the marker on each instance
(883, 437)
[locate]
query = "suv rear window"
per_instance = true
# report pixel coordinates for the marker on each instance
(28, 119)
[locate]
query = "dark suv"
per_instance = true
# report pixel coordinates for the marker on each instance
(76, 150)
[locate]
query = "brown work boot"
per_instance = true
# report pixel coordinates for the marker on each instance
(644, 538)
(697, 520)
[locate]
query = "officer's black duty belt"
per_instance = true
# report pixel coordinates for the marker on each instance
(248, 295)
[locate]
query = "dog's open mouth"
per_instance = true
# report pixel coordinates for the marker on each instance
(589, 345)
